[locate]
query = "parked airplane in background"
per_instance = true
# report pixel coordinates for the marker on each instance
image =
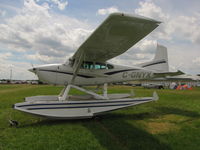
(89, 66)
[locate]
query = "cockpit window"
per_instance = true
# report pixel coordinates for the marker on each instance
(110, 66)
(92, 65)
(87, 65)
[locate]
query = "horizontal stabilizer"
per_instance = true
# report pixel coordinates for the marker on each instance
(165, 74)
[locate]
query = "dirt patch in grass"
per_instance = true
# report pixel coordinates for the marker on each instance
(171, 118)
(164, 123)
(160, 127)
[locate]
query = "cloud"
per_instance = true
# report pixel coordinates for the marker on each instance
(146, 46)
(149, 9)
(42, 32)
(186, 27)
(105, 11)
(61, 5)
(19, 69)
(143, 51)
(4, 56)
(197, 61)
(177, 27)
(37, 34)
(2, 13)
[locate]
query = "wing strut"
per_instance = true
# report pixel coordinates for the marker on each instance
(65, 92)
(64, 95)
(76, 67)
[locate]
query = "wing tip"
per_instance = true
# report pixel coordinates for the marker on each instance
(134, 16)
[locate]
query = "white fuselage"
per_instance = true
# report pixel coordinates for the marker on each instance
(61, 74)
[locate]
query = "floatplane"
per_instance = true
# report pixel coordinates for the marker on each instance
(89, 66)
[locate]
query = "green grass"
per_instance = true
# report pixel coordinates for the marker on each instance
(173, 122)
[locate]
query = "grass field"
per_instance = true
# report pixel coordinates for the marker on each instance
(173, 122)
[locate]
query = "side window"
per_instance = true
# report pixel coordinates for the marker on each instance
(91, 65)
(103, 67)
(87, 65)
(97, 66)
(100, 66)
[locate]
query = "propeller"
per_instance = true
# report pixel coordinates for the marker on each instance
(32, 69)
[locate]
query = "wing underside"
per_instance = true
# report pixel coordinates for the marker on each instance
(114, 36)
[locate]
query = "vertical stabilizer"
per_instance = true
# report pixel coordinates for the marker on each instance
(161, 53)
(160, 62)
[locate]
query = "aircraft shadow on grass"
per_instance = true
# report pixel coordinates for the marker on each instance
(160, 111)
(178, 111)
(119, 135)
(114, 132)
(114, 127)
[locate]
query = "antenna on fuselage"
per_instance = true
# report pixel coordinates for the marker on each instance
(32, 65)
(10, 74)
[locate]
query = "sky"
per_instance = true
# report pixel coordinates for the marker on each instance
(36, 32)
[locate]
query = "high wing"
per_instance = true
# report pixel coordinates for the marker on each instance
(114, 36)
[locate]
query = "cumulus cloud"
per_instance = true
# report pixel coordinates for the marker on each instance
(186, 27)
(143, 51)
(37, 34)
(197, 61)
(4, 56)
(61, 5)
(149, 9)
(105, 11)
(19, 70)
(35, 30)
(2, 13)
(174, 26)
(146, 46)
